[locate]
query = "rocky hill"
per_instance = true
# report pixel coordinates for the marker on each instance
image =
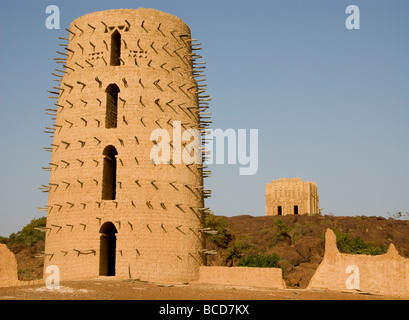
(299, 240)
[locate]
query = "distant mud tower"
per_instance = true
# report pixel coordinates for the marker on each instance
(291, 196)
(111, 210)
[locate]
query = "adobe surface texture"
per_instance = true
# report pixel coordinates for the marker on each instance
(111, 210)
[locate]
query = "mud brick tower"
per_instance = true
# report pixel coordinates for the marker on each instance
(291, 196)
(111, 210)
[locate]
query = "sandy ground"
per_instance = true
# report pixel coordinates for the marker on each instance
(110, 288)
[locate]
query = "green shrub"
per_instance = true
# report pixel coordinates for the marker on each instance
(223, 236)
(29, 235)
(296, 232)
(239, 246)
(348, 244)
(281, 229)
(260, 260)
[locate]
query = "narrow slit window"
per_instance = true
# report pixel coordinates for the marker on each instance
(109, 173)
(115, 48)
(111, 116)
(295, 209)
(280, 211)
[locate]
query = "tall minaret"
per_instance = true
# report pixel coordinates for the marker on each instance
(112, 210)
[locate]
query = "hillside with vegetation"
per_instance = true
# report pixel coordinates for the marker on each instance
(296, 244)
(28, 246)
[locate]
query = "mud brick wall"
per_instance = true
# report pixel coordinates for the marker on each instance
(8, 267)
(382, 274)
(242, 276)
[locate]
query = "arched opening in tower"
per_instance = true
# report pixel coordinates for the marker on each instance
(115, 48)
(107, 252)
(111, 115)
(109, 173)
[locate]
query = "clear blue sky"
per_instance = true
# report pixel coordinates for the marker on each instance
(331, 104)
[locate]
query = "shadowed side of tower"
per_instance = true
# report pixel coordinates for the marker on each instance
(111, 210)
